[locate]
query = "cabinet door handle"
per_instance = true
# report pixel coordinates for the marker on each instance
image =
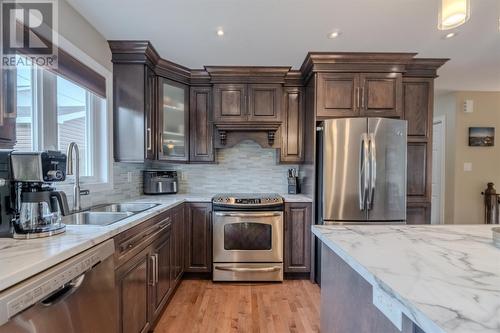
(152, 258)
(363, 97)
(149, 138)
(157, 274)
(356, 98)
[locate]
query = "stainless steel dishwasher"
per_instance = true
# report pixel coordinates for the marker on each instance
(75, 296)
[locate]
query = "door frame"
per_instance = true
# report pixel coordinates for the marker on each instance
(441, 119)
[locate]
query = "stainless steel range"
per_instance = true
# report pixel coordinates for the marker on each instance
(247, 237)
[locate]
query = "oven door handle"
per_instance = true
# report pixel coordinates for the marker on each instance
(248, 270)
(249, 214)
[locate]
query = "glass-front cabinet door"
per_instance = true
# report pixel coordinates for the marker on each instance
(173, 121)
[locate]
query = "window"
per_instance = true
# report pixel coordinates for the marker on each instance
(53, 111)
(74, 114)
(24, 118)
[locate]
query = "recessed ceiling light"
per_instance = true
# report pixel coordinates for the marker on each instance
(220, 32)
(334, 34)
(450, 35)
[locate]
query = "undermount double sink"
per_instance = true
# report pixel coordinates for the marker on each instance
(103, 215)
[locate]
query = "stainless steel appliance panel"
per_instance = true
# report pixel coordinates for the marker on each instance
(250, 236)
(248, 271)
(387, 163)
(86, 303)
(345, 157)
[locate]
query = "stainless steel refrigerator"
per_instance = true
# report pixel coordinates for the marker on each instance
(363, 171)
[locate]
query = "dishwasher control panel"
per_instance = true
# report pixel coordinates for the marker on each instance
(27, 293)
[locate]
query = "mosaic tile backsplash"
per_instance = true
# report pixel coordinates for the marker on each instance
(122, 190)
(245, 167)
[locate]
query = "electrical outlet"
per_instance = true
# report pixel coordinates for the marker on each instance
(183, 176)
(129, 176)
(468, 166)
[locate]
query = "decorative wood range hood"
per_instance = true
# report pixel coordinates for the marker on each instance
(247, 103)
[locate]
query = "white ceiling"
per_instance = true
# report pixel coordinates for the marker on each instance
(281, 32)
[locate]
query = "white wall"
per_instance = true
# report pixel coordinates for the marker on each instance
(77, 30)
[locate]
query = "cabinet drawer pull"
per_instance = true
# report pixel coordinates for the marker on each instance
(131, 245)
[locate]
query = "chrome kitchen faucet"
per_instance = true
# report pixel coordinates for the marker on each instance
(76, 190)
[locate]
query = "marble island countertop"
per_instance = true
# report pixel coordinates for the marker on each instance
(21, 259)
(444, 278)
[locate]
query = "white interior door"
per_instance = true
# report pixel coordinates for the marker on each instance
(438, 158)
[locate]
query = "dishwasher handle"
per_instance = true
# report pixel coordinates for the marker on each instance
(64, 292)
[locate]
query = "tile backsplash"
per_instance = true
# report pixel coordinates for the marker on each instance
(122, 190)
(245, 167)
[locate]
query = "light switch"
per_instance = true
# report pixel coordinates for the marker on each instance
(129, 177)
(468, 166)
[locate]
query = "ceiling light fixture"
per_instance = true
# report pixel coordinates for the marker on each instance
(220, 32)
(334, 34)
(453, 13)
(450, 35)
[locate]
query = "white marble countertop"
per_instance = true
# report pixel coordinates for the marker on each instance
(444, 278)
(21, 259)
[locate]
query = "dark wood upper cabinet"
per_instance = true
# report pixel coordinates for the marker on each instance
(418, 98)
(337, 95)
(381, 94)
(8, 108)
(201, 125)
(230, 102)
(359, 94)
(264, 102)
(173, 121)
(297, 256)
(151, 91)
(292, 129)
(198, 238)
(239, 103)
(134, 101)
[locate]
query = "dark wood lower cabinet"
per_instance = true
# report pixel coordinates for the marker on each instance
(297, 238)
(198, 238)
(162, 282)
(133, 280)
(418, 213)
(149, 259)
(177, 244)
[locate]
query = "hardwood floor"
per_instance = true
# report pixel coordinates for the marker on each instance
(204, 306)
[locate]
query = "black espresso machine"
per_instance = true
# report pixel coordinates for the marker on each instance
(30, 207)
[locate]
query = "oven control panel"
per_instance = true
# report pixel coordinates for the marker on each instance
(247, 200)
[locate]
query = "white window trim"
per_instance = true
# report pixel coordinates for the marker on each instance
(102, 135)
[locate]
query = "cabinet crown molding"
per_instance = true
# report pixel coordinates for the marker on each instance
(248, 74)
(424, 67)
(133, 51)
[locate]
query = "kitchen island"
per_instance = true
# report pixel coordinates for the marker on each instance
(433, 279)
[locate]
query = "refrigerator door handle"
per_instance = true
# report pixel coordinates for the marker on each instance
(373, 169)
(363, 171)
